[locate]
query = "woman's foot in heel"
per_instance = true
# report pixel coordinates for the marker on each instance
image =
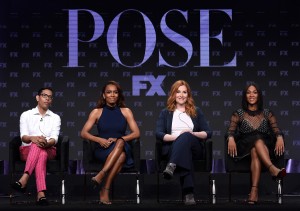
(96, 182)
(277, 173)
(280, 174)
(18, 187)
(21, 184)
(104, 196)
(253, 196)
(41, 199)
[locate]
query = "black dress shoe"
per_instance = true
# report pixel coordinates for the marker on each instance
(42, 202)
(18, 187)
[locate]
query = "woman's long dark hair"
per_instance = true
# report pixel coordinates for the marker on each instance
(260, 102)
(120, 101)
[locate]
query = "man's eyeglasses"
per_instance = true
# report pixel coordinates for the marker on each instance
(45, 96)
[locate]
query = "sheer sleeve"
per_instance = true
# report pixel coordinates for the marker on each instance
(273, 124)
(233, 124)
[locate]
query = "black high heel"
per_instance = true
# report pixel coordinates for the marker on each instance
(105, 202)
(18, 187)
(42, 201)
(280, 174)
(252, 202)
(95, 183)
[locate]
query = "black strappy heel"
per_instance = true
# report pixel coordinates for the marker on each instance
(252, 202)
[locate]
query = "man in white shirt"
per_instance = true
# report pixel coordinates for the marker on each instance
(39, 131)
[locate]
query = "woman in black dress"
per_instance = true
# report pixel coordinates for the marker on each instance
(112, 119)
(250, 132)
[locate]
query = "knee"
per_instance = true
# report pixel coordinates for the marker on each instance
(259, 143)
(254, 154)
(184, 138)
(43, 154)
(186, 135)
(120, 143)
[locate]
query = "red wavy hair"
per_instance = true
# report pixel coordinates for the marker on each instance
(190, 107)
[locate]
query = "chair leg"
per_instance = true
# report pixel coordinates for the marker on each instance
(85, 187)
(63, 193)
(279, 191)
(137, 189)
(229, 187)
(213, 190)
(157, 186)
(11, 191)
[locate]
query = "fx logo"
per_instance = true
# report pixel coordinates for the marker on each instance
(138, 85)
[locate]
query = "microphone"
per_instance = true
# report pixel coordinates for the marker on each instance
(41, 119)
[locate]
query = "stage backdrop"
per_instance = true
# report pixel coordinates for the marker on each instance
(217, 46)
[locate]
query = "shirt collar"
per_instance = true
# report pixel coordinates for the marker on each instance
(36, 112)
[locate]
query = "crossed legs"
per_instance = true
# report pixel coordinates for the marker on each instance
(111, 168)
(259, 156)
(36, 160)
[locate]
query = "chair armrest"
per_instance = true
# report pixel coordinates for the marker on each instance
(14, 153)
(135, 149)
(87, 152)
(64, 153)
(158, 152)
(208, 153)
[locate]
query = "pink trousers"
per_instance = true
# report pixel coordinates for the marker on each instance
(36, 159)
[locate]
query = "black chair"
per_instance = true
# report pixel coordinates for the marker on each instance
(203, 166)
(92, 166)
(59, 165)
(242, 165)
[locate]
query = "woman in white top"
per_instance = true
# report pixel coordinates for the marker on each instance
(182, 128)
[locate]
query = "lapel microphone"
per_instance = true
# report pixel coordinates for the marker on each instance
(41, 119)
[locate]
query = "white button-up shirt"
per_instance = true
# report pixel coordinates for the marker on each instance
(32, 123)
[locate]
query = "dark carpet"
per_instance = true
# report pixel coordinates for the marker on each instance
(289, 203)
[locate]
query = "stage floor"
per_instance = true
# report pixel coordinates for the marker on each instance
(169, 192)
(289, 203)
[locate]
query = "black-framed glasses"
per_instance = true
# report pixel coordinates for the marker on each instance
(45, 96)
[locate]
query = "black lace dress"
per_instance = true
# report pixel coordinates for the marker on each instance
(248, 126)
